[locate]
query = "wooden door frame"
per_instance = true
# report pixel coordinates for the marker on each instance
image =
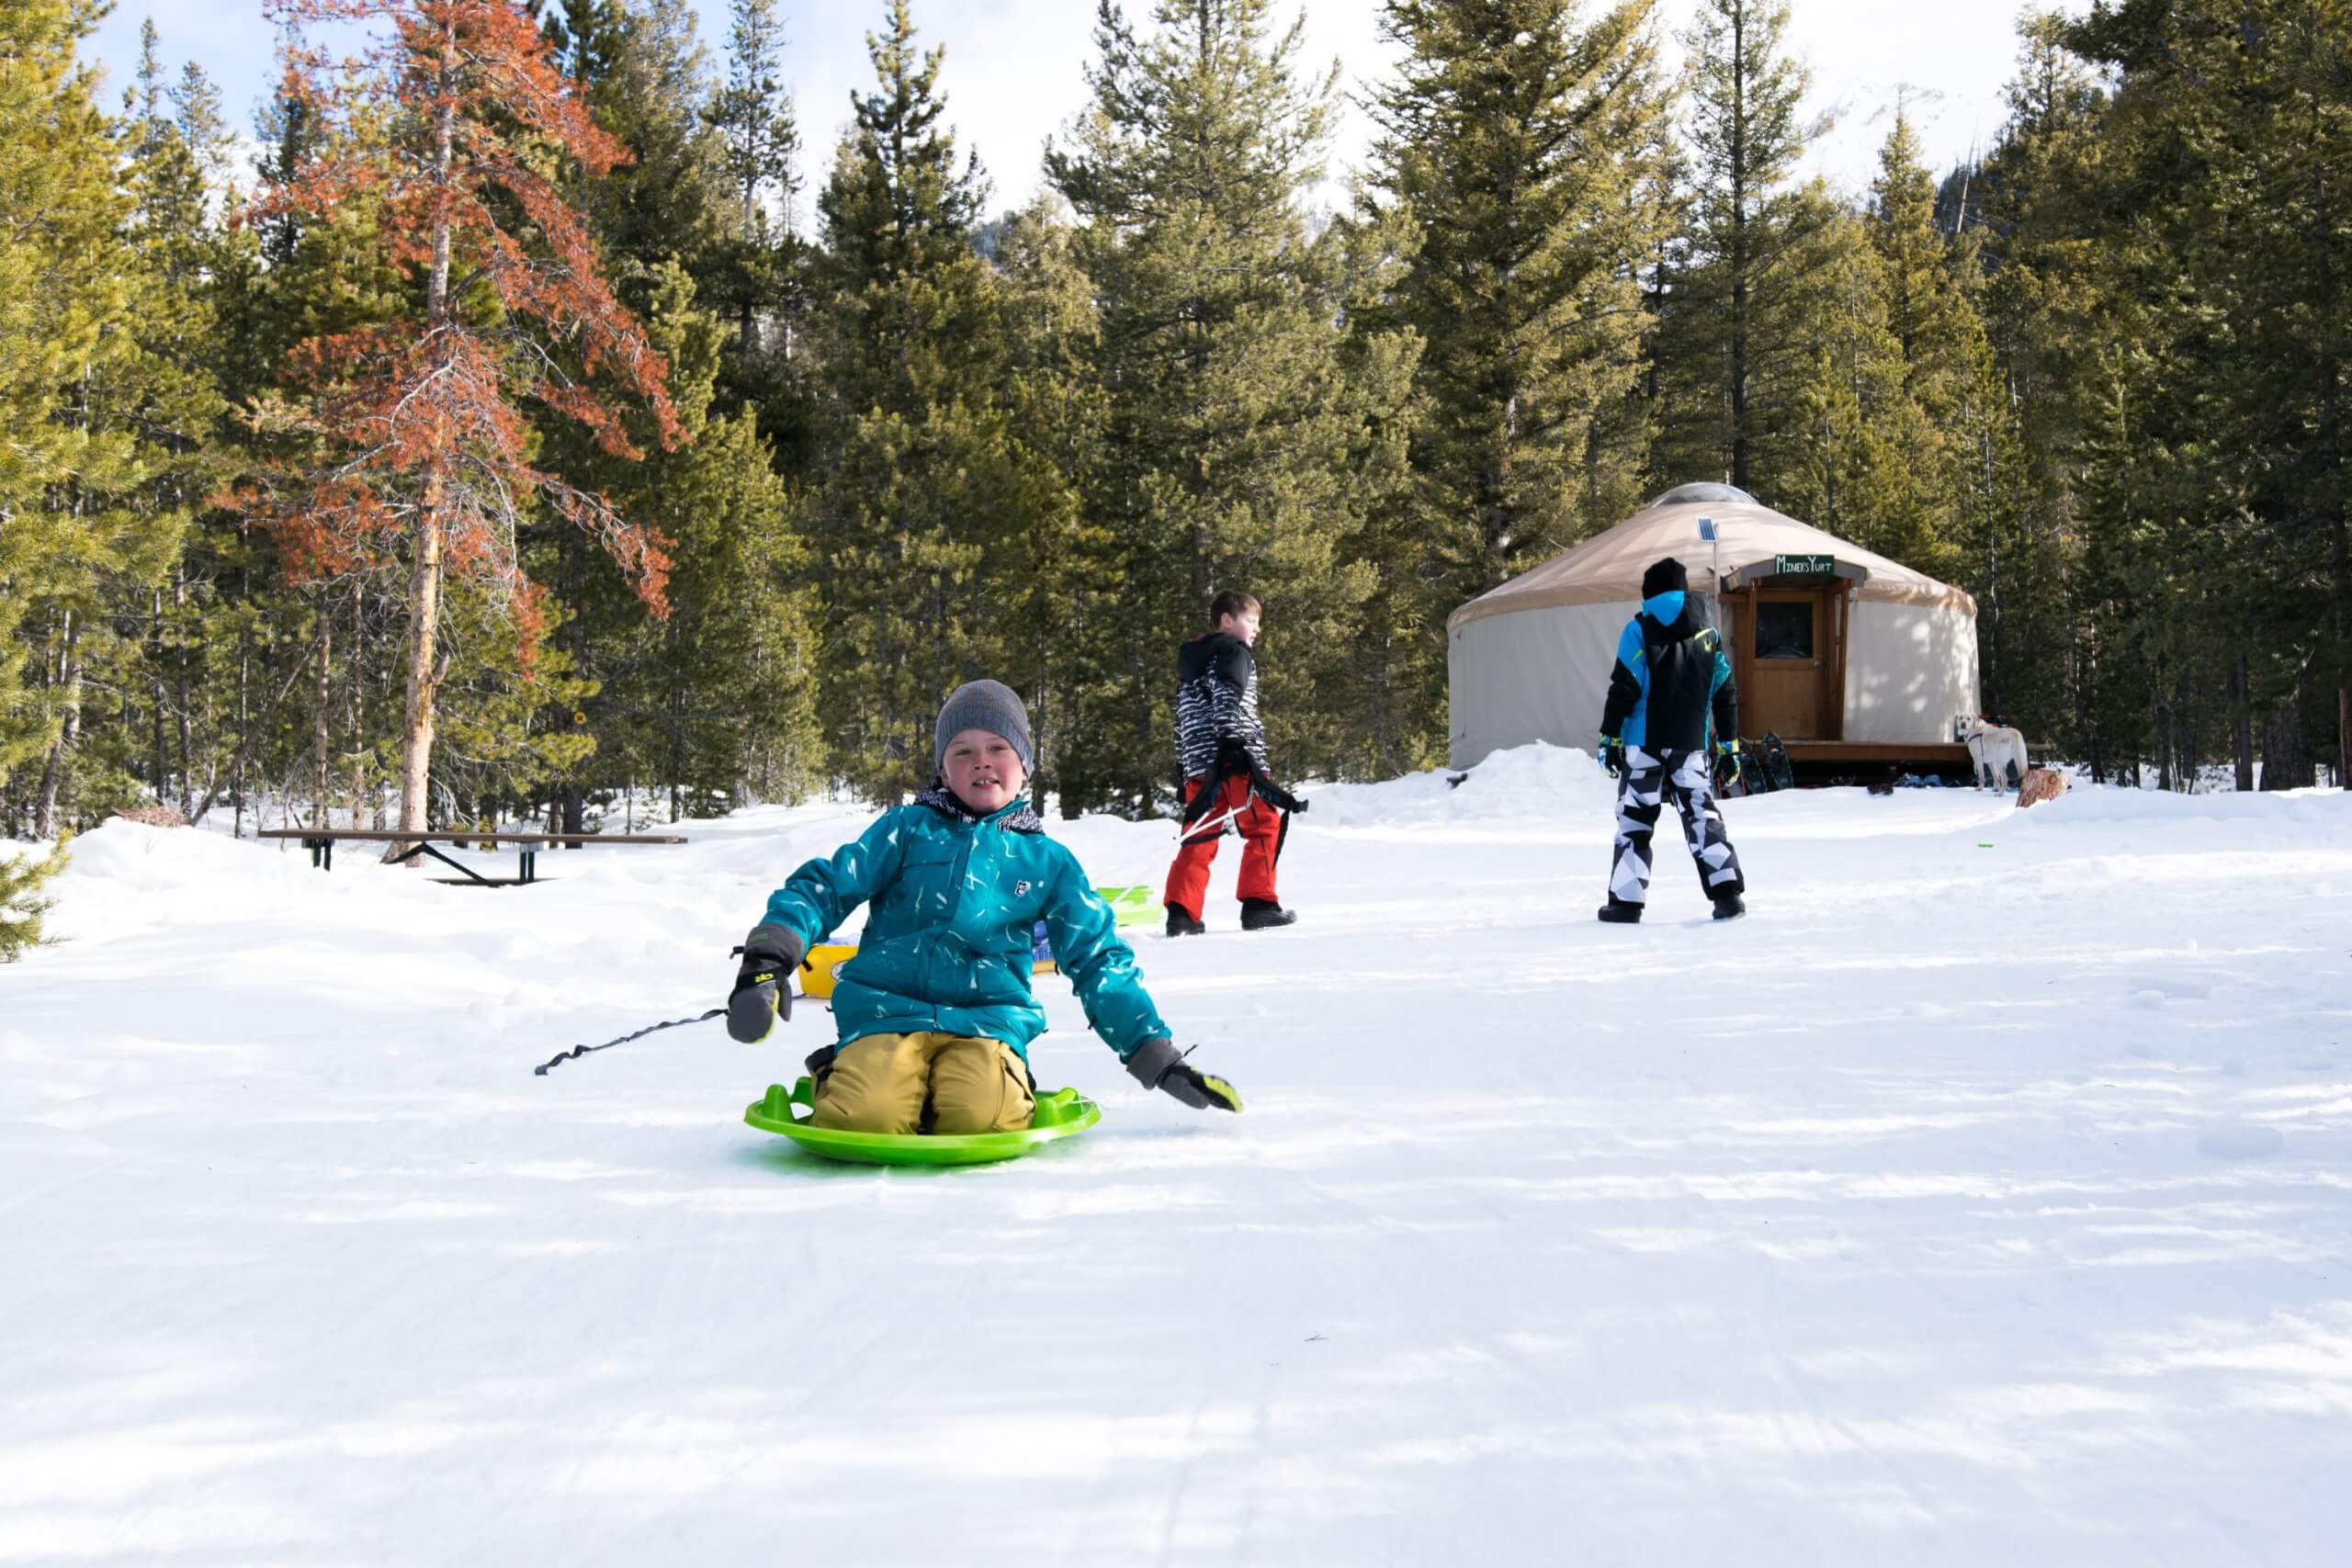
(1841, 604)
(1836, 600)
(1743, 650)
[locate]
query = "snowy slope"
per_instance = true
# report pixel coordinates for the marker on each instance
(1985, 1197)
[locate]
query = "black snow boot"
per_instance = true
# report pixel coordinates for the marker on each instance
(1729, 908)
(1264, 914)
(1182, 924)
(1617, 912)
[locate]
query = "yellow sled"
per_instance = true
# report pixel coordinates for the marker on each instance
(1129, 905)
(817, 969)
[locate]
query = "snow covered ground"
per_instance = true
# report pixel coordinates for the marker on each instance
(1984, 1197)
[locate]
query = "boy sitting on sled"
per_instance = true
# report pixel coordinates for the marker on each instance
(935, 1011)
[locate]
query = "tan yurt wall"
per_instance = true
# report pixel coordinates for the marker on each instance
(1910, 671)
(1538, 676)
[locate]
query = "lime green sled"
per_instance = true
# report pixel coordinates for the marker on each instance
(1138, 906)
(1060, 1113)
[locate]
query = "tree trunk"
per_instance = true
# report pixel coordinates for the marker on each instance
(424, 640)
(747, 325)
(2163, 726)
(155, 696)
(187, 697)
(244, 736)
(324, 696)
(53, 772)
(424, 576)
(2086, 693)
(2343, 657)
(2242, 722)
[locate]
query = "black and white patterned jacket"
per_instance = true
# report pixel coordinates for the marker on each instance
(1217, 699)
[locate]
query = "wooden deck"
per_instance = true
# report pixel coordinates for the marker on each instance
(1878, 753)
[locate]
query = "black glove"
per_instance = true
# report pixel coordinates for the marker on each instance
(1233, 758)
(1157, 1063)
(1727, 762)
(1273, 795)
(763, 985)
(1613, 755)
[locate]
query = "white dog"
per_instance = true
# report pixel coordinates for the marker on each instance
(1995, 754)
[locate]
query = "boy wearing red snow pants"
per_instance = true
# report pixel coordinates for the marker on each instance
(1222, 744)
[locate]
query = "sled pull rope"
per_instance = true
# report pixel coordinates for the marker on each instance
(1213, 829)
(542, 1070)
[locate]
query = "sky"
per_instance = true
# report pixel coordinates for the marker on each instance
(1014, 68)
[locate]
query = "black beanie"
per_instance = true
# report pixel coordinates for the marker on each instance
(1665, 577)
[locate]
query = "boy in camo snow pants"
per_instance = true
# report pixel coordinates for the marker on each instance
(1670, 679)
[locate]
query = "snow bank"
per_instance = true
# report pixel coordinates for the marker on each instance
(1533, 783)
(2285, 811)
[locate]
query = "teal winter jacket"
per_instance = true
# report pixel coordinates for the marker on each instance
(954, 904)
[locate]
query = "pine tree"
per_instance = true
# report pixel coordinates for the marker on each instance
(754, 114)
(431, 455)
(2226, 160)
(62, 312)
(2033, 193)
(1521, 148)
(77, 393)
(1250, 433)
(1733, 364)
(22, 873)
(717, 699)
(662, 217)
(638, 68)
(924, 484)
(1928, 284)
(179, 164)
(298, 678)
(1054, 572)
(287, 125)
(1841, 460)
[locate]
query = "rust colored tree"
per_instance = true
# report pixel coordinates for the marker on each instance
(451, 133)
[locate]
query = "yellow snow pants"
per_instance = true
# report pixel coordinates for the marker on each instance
(879, 1083)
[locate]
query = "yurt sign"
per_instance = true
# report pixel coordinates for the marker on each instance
(1804, 566)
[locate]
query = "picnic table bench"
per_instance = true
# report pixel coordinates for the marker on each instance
(321, 843)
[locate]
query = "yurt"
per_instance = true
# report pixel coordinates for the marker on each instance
(1844, 655)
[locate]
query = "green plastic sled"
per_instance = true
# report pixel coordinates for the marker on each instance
(1138, 906)
(1060, 1113)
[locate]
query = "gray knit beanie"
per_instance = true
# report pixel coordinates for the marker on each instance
(983, 704)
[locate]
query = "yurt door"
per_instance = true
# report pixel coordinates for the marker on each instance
(1788, 652)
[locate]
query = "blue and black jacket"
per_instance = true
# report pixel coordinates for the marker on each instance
(1670, 678)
